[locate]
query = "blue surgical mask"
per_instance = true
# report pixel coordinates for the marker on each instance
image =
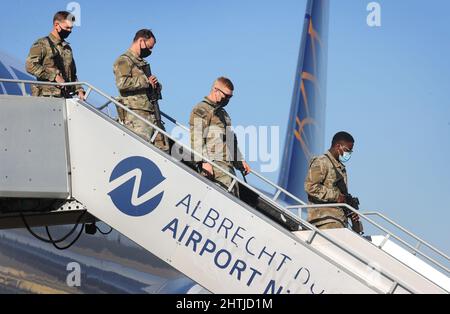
(345, 157)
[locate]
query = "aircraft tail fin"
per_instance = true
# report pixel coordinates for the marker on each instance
(306, 128)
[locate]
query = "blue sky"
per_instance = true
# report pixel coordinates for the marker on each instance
(387, 86)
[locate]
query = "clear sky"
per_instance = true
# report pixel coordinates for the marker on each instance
(387, 86)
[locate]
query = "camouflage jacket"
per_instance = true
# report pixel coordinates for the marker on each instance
(131, 73)
(320, 187)
(49, 57)
(211, 133)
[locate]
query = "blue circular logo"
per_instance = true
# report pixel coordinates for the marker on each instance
(145, 177)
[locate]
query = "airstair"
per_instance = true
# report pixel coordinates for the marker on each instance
(81, 165)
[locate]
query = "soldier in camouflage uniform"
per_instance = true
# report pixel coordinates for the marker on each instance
(320, 183)
(211, 135)
(138, 88)
(51, 60)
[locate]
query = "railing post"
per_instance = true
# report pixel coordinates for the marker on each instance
(153, 139)
(277, 195)
(233, 183)
(311, 237)
(393, 287)
(23, 89)
(417, 248)
(386, 238)
(104, 105)
(88, 92)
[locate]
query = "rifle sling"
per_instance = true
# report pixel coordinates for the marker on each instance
(57, 57)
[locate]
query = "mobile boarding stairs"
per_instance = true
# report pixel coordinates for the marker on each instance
(64, 161)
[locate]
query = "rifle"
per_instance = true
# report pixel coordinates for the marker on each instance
(237, 162)
(351, 201)
(357, 225)
(240, 167)
(154, 95)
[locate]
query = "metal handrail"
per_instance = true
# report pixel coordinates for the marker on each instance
(419, 240)
(372, 222)
(299, 220)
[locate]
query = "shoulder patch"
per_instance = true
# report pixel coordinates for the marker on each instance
(123, 66)
(200, 112)
(318, 160)
(37, 48)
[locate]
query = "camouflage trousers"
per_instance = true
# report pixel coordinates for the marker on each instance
(331, 225)
(224, 179)
(51, 91)
(44, 91)
(146, 131)
(327, 218)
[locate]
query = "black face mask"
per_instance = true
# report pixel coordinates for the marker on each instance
(145, 52)
(224, 102)
(64, 33)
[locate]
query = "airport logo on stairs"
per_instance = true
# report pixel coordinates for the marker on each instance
(136, 184)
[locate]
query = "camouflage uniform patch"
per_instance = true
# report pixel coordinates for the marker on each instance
(48, 59)
(223, 178)
(321, 189)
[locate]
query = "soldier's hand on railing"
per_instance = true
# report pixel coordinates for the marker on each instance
(341, 199)
(354, 217)
(82, 95)
(207, 169)
(153, 80)
(247, 168)
(59, 79)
